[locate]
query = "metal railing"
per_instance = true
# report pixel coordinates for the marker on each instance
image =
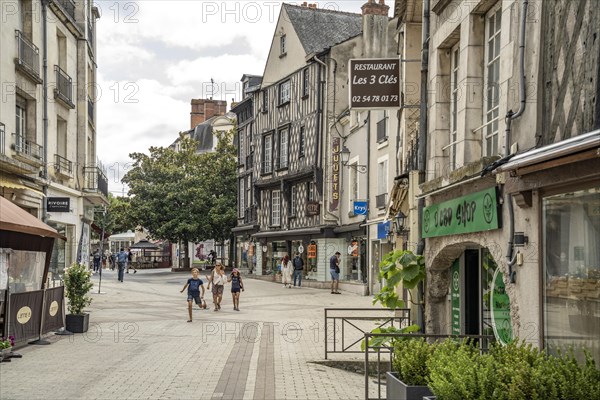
(95, 180)
(62, 165)
(381, 200)
(28, 54)
(346, 327)
(482, 341)
(68, 7)
(28, 147)
(64, 85)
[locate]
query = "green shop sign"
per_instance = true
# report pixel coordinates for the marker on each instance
(475, 212)
(500, 309)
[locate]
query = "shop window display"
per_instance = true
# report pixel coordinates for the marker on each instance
(571, 269)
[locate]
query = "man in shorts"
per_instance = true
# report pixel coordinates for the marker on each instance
(334, 270)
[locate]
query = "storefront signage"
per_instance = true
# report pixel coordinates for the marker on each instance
(360, 207)
(500, 307)
(53, 308)
(335, 174)
(312, 251)
(58, 204)
(383, 229)
(300, 249)
(23, 315)
(475, 212)
(312, 208)
(375, 83)
(455, 296)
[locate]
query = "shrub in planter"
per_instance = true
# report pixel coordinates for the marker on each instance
(453, 371)
(77, 285)
(410, 361)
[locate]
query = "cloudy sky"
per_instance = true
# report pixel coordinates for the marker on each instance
(154, 56)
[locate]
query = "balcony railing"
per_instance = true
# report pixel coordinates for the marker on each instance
(95, 180)
(2, 138)
(90, 110)
(28, 55)
(29, 148)
(250, 215)
(64, 86)
(62, 165)
(68, 6)
(381, 200)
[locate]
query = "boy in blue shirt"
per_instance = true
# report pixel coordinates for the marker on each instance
(193, 285)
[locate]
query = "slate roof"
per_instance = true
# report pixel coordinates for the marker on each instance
(320, 29)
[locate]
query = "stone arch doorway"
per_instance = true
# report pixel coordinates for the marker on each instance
(465, 290)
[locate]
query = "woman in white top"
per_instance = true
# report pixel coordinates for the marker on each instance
(217, 279)
(286, 271)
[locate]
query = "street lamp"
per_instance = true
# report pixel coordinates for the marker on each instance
(399, 221)
(345, 156)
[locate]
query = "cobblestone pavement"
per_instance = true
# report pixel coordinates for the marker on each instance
(139, 346)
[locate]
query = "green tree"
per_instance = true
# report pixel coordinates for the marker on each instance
(117, 217)
(180, 195)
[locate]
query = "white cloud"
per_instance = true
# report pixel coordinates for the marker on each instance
(146, 77)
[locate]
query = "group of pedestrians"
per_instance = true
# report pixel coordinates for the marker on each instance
(123, 261)
(291, 268)
(218, 280)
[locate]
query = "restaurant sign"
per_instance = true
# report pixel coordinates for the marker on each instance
(475, 212)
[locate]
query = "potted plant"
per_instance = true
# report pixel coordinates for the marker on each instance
(6, 345)
(77, 285)
(409, 376)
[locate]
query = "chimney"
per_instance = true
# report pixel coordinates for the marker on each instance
(203, 109)
(372, 8)
(309, 5)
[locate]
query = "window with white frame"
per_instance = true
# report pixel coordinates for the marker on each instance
(283, 148)
(284, 92)
(21, 118)
(310, 190)
(276, 207)
(353, 185)
(382, 132)
(455, 58)
(249, 201)
(493, 23)
(282, 45)
(241, 197)
(382, 176)
(293, 201)
(267, 154)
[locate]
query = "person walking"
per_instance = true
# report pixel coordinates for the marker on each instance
(236, 286)
(286, 271)
(97, 259)
(298, 268)
(193, 285)
(334, 270)
(217, 279)
(130, 263)
(122, 263)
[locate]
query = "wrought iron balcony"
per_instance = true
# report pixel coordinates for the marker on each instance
(29, 150)
(68, 7)
(95, 180)
(381, 200)
(28, 57)
(63, 166)
(64, 87)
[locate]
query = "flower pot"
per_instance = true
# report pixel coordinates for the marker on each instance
(398, 390)
(77, 323)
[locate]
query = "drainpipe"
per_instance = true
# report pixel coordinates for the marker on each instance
(45, 101)
(510, 116)
(422, 149)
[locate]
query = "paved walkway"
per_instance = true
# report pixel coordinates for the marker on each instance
(139, 346)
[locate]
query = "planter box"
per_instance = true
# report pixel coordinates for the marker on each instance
(77, 323)
(397, 390)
